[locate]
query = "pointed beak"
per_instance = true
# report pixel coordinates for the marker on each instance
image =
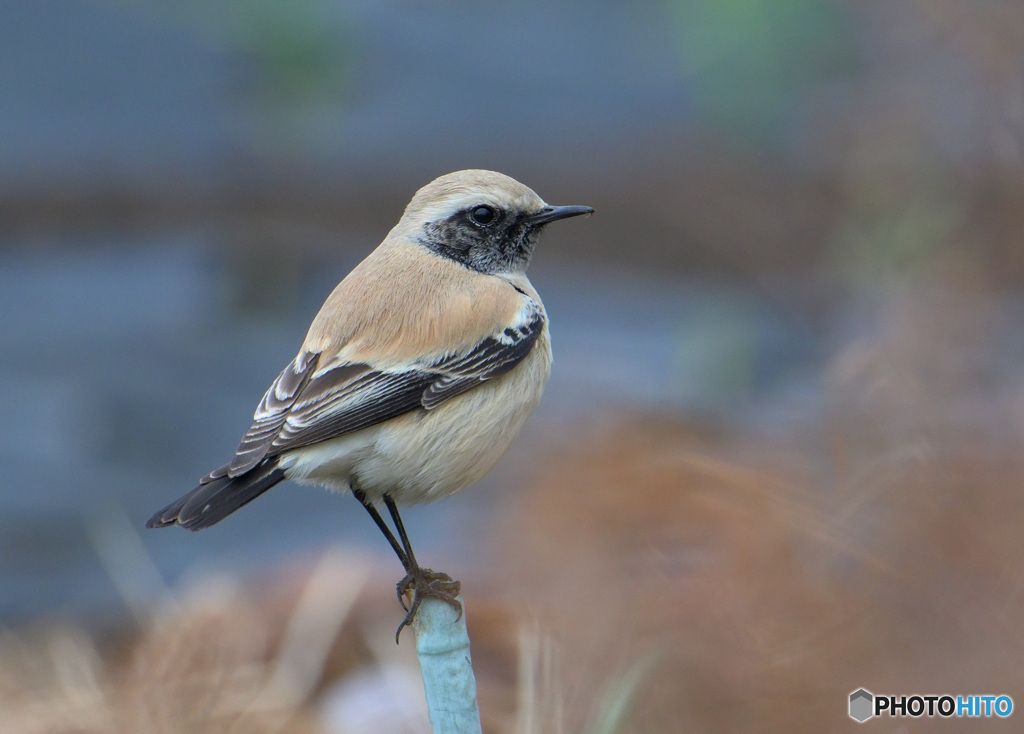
(552, 213)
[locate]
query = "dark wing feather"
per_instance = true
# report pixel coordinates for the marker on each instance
(215, 499)
(492, 358)
(302, 407)
(323, 414)
(270, 416)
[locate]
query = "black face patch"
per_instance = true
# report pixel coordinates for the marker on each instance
(503, 244)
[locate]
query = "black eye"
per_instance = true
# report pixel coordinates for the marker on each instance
(483, 214)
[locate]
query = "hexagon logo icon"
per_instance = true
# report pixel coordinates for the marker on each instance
(861, 705)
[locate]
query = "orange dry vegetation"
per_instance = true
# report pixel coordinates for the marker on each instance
(652, 576)
(757, 581)
(759, 600)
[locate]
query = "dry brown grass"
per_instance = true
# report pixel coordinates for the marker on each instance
(770, 577)
(653, 576)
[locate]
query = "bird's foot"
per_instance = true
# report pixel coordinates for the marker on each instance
(423, 583)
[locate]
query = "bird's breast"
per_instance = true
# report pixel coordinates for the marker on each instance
(428, 454)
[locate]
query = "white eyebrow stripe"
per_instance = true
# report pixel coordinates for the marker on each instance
(450, 205)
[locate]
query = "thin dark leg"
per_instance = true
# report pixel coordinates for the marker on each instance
(408, 562)
(422, 581)
(393, 509)
(411, 570)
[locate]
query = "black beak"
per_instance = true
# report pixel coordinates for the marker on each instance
(553, 213)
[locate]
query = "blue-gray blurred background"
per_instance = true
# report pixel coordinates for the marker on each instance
(182, 182)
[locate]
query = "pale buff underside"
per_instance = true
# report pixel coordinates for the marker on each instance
(422, 455)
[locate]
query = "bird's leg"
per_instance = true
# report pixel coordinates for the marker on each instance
(424, 582)
(400, 526)
(368, 506)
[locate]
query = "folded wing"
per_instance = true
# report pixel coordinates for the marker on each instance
(307, 404)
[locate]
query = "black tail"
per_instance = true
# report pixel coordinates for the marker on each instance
(211, 502)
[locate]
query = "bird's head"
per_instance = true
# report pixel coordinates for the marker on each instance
(481, 219)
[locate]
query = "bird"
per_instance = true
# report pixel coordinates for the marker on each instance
(415, 377)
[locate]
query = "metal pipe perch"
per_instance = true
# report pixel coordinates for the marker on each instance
(442, 645)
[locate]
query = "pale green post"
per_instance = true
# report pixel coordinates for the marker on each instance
(442, 644)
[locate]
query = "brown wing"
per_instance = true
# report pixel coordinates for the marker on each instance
(303, 406)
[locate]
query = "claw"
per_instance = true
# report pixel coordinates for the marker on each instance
(402, 587)
(425, 584)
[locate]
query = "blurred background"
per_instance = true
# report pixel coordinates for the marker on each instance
(779, 457)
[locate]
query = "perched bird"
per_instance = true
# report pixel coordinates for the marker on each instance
(416, 375)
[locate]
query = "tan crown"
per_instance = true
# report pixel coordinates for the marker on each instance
(448, 194)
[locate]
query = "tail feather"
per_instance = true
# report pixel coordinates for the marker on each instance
(211, 502)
